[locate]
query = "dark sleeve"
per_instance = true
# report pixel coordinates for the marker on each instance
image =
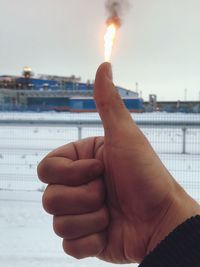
(181, 248)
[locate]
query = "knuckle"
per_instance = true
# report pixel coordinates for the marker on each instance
(96, 194)
(89, 246)
(57, 227)
(50, 200)
(61, 228)
(42, 168)
(73, 251)
(104, 219)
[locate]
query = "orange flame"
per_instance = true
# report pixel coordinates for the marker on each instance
(109, 39)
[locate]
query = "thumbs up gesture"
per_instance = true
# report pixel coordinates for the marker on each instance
(111, 196)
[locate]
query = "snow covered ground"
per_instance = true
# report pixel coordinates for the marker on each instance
(92, 116)
(27, 238)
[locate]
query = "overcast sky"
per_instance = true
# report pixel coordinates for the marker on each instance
(158, 45)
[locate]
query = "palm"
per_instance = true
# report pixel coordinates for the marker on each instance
(134, 194)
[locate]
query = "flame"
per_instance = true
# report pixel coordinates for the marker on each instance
(109, 39)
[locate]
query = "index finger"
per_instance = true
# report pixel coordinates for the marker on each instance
(60, 170)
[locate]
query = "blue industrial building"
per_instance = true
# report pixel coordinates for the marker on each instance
(48, 92)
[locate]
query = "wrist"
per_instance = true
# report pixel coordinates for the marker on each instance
(181, 208)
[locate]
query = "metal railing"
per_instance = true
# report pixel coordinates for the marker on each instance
(184, 125)
(25, 140)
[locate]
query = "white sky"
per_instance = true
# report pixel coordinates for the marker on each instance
(158, 45)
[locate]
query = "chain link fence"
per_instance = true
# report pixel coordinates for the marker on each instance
(26, 138)
(25, 141)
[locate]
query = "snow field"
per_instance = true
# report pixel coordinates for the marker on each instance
(27, 238)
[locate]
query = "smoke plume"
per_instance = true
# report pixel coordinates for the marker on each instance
(116, 10)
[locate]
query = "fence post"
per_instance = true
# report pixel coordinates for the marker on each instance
(79, 132)
(184, 140)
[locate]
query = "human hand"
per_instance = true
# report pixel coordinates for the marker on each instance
(112, 197)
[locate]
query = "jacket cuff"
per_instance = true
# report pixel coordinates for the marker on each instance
(181, 248)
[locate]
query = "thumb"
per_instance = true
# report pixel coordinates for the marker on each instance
(110, 106)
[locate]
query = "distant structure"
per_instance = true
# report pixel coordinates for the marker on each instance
(171, 106)
(27, 72)
(61, 93)
(51, 92)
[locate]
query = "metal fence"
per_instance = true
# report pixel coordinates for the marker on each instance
(25, 142)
